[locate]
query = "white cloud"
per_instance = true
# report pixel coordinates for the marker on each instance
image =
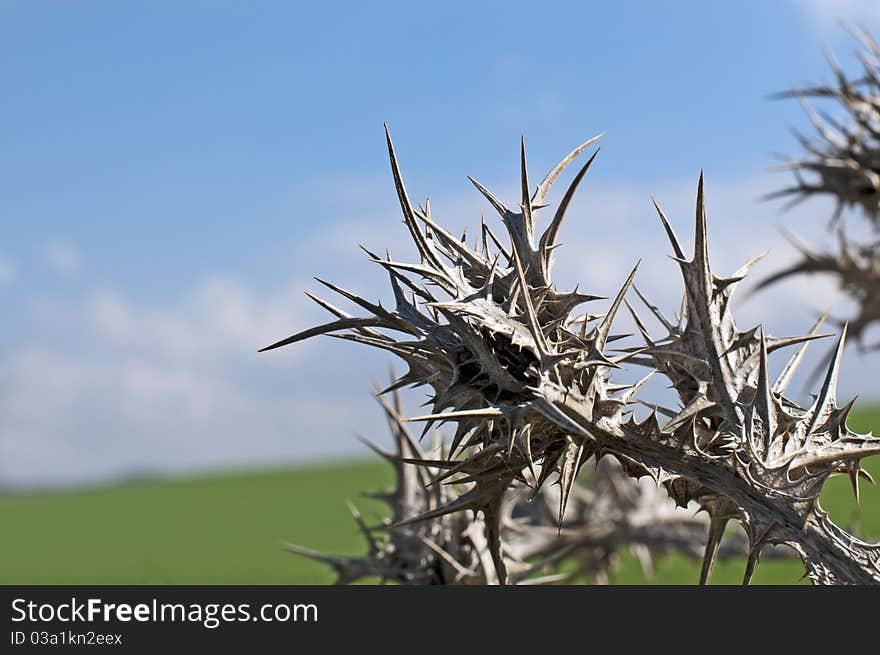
(825, 14)
(63, 257)
(105, 385)
(168, 388)
(7, 271)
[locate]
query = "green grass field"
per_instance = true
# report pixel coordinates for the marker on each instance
(228, 529)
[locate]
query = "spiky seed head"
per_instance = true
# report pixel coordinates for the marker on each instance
(527, 385)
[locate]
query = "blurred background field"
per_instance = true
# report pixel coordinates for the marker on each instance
(229, 528)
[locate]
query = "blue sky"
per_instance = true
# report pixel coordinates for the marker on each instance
(172, 174)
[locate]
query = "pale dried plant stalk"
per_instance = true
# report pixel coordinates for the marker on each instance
(842, 161)
(527, 383)
(607, 514)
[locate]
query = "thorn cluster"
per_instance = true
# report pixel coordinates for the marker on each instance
(607, 514)
(842, 160)
(526, 381)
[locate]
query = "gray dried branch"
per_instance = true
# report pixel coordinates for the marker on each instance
(856, 270)
(843, 161)
(608, 514)
(527, 384)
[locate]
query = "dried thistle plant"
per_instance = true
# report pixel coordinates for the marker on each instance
(606, 515)
(527, 382)
(843, 161)
(856, 267)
